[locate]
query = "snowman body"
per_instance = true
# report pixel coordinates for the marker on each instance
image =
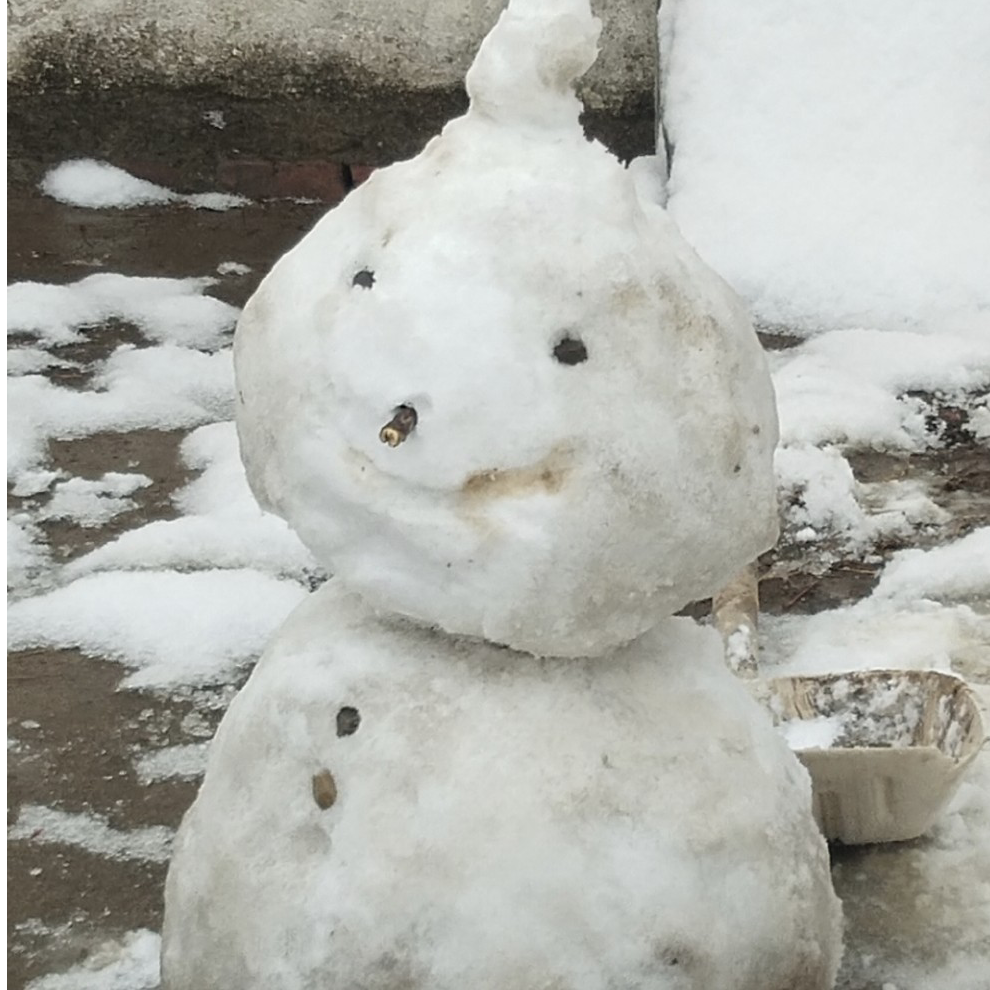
(439, 813)
(483, 756)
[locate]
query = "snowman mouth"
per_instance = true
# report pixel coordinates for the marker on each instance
(546, 477)
(398, 428)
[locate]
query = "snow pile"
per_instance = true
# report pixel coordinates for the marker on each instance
(165, 310)
(872, 634)
(98, 185)
(92, 833)
(171, 628)
(526, 284)
(831, 161)
(128, 964)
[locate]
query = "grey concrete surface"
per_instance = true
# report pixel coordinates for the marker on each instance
(364, 81)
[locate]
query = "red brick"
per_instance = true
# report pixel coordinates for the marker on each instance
(157, 172)
(359, 173)
(323, 181)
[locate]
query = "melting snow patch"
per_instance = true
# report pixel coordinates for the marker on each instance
(152, 388)
(850, 386)
(182, 762)
(93, 503)
(172, 628)
(822, 499)
(27, 555)
(130, 964)
(165, 310)
(98, 185)
(232, 268)
(862, 389)
(223, 526)
(896, 627)
(90, 832)
(32, 360)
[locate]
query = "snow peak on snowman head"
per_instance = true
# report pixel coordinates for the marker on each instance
(525, 70)
(496, 392)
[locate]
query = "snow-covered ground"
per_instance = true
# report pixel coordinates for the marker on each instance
(834, 165)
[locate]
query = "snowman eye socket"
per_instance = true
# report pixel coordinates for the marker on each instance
(570, 350)
(348, 720)
(364, 278)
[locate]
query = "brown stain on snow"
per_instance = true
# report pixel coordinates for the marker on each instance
(547, 476)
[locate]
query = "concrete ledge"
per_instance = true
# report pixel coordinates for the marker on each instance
(352, 81)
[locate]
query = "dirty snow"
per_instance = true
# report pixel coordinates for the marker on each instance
(91, 832)
(130, 963)
(879, 710)
(98, 185)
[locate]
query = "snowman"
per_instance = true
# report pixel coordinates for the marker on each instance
(522, 424)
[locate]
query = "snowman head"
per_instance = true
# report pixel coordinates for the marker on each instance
(495, 391)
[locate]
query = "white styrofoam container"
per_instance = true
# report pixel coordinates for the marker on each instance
(901, 741)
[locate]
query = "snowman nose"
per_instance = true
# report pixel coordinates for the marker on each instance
(402, 423)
